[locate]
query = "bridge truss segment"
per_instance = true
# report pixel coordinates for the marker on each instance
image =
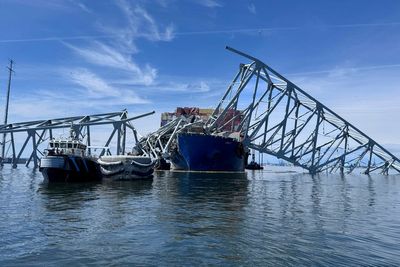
(280, 119)
(38, 132)
(160, 143)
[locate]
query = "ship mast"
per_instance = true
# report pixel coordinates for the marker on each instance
(3, 144)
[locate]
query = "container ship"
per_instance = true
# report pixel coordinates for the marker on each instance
(195, 150)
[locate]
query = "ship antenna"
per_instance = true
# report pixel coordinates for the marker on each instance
(72, 131)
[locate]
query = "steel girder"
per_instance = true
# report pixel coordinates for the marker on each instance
(158, 144)
(37, 132)
(280, 119)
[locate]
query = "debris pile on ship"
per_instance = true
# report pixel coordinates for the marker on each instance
(183, 140)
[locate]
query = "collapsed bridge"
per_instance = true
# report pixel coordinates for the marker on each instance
(280, 119)
(35, 134)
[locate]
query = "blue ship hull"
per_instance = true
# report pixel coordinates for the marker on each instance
(200, 152)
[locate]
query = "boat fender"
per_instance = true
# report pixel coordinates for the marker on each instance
(109, 163)
(133, 162)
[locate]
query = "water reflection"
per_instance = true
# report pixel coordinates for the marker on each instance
(202, 186)
(371, 192)
(316, 195)
(64, 196)
(69, 195)
(198, 209)
(128, 188)
(257, 218)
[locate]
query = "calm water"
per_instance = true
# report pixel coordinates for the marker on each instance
(258, 218)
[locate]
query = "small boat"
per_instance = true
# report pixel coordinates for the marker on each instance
(253, 165)
(65, 160)
(126, 167)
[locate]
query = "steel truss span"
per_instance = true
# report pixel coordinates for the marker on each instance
(38, 132)
(160, 143)
(280, 119)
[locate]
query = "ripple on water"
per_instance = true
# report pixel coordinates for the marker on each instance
(258, 218)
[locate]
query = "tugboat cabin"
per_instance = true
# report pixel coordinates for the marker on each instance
(68, 147)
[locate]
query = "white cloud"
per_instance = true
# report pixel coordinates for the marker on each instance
(209, 3)
(95, 86)
(252, 8)
(103, 55)
(118, 52)
(69, 92)
(201, 87)
(142, 25)
(365, 96)
(177, 84)
(169, 33)
(83, 7)
(26, 107)
(65, 5)
(98, 88)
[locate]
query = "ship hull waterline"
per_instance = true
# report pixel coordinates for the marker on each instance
(69, 169)
(208, 153)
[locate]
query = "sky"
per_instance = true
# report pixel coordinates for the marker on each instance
(78, 57)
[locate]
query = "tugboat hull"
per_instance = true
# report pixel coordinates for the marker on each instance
(200, 152)
(70, 169)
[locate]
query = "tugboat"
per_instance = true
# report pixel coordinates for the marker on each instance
(127, 167)
(253, 165)
(65, 160)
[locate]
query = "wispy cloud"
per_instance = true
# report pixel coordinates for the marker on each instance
(366, 96)
(59, 38)
(202, 87)
(84, 7)
(189, 87)
(59, 5)
(209, 3)
(118, 53)
(177, 84)
(80, 90)
(26, 107)
(98, 88)
(101, 54)
(169, 33)
(252, 8)
(140, 24)
(66, 5)
(341, 71)
(95, 86)
(104, 55)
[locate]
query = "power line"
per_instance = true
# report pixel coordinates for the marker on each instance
(207, 32)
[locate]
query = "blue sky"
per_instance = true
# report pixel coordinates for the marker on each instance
(81, 57)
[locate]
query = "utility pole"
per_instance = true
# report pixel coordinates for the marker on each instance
(3, 144)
